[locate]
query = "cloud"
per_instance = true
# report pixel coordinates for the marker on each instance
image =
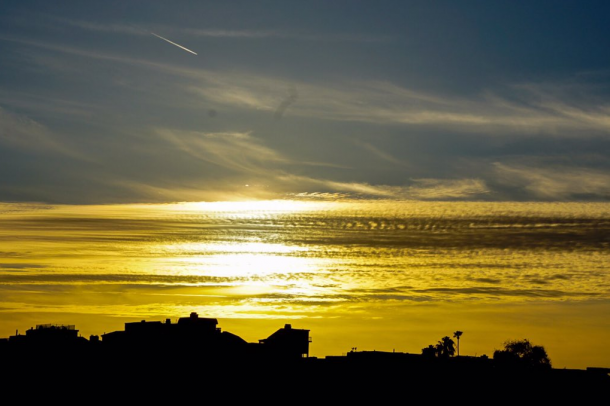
(319, 196)
(38, 103)
(228, 157)
(225, 188)
(447, 189)
(109, 28)
(245, 155)
(20, 266)
(290, 99)
(237, 90)
(497, 291)
(380, 154)
(25, 134)
(422, 189)
(21, 208)
(222, 33)
(132, 281)
(518, 111)
(93, 54)
(556, 183)
(231, 150)
(300, 36)
(549, 109)
(490, 113)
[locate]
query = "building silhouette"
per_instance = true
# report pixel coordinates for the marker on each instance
(193, 337)
(194, 351)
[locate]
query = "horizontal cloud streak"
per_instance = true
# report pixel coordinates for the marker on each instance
(100, 27)
(240, 152)
(381, 154)
(221, 33)
(385, 103)
(447, 189)
(421, 189)
(494, 291)
(556, 183)
(234, 151)
(531, 108)
(26, 134)
(52, 106)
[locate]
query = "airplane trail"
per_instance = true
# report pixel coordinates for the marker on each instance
(173, 43)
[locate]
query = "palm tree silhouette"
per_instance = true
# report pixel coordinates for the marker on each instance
(445, 348)
(457, 335)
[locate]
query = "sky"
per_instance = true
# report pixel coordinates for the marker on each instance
(157, 101)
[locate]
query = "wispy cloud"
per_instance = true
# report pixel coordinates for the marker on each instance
(447, 189)
(55, 106)
(498, 291)
(224, 33)
(490, 113)
(245, 157)
(232, 150)
(378, 102)
(92, 26)
(239, 90)
(421, 189)
(220, 33)
(319, 196)
(21, 208)
(283, 34)
(290, 99)
(25, 134)
(556, 182)
(380, 154)
(227, 188)
(539, 109)
(93, 54)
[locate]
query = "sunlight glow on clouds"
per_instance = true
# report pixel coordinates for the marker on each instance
(447, 189)
(372, 133)
(421, 189)
(382, 102)
(236, 151)
(407, 168)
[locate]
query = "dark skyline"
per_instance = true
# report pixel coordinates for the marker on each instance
(158, 351)
(413, 167)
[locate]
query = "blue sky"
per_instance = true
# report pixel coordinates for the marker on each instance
(423, 100)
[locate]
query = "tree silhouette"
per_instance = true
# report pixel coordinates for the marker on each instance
(457, 335)
(429, 351)
(522, 353)
(445, 347)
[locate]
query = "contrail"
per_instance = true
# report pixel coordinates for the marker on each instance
(173, 43)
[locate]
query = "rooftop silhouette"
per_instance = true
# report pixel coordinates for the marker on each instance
(156, 351)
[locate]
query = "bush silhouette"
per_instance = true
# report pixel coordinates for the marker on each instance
(522, 353)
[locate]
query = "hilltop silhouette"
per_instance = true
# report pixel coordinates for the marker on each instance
(194, 351)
